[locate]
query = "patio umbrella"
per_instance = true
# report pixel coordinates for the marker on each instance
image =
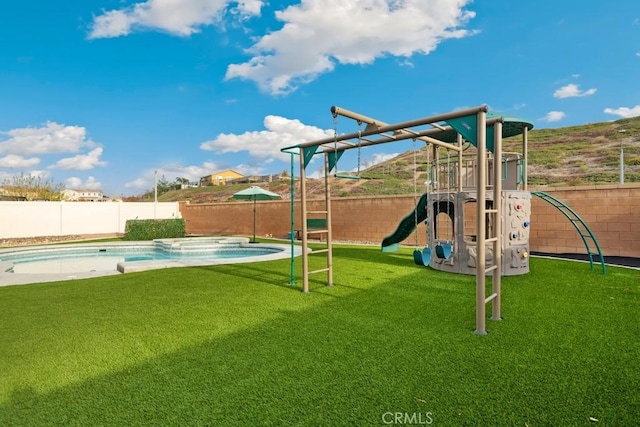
(255, 193)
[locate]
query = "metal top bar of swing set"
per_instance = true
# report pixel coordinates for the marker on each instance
(400, 130)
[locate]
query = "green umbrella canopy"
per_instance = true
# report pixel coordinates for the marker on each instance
(255, 193)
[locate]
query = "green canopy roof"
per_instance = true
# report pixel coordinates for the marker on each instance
(466, 126)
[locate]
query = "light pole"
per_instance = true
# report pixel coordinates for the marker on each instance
(155, 193)
(621, 131)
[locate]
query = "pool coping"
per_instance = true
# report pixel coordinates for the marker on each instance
(8, 278)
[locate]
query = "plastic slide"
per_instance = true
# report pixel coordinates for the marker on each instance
(407, 225)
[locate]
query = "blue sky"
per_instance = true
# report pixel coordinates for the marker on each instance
(100, 94)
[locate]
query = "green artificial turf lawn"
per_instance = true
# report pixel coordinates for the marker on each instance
(236, 345)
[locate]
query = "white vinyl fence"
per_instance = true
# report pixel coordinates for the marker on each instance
(33, 219)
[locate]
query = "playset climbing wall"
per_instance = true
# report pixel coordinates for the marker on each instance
(516, 209)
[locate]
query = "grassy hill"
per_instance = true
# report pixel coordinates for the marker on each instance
(576, 155)
(588, 154)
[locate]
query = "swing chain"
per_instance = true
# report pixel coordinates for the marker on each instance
(335, 133)
(335, 141)
(359, 143)
(449, 192)
(428, 189)
(415, 190)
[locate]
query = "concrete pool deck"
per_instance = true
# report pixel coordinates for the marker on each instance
(8, 278)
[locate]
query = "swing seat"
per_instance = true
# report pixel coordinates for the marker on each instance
(443, 250)
(347, 176)
(426, 256)
(417, 257)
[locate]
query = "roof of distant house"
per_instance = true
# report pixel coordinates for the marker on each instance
(227, 170)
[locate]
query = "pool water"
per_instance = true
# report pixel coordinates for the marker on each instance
(78, 259)
(78, 262)
(67, 265)
(37, 264)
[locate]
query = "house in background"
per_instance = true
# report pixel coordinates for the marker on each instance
(220, 178)
(82, 195)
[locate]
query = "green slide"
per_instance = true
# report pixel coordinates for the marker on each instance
(407, 225)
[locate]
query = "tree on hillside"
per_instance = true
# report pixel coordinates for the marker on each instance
(180, 182)
(163, 185)
(32, 187)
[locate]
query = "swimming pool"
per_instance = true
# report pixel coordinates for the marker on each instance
(64, 262)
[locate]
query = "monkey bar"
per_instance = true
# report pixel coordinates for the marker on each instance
(476, 125)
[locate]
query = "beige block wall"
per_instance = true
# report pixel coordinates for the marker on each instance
(611, 212)
(361, 219)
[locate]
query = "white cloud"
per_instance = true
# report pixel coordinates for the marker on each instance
(380, 158)
(39, 174)
(317, 34)
(624, 112)
(16, 161)
(113, 23)
(51, 138)
(406, 62)
(248, 8)
(316, 174)
(10, 175)
(248, 170)
(78, 184)
(554, 116)
(171, 172)
(139, 183)
(177, 17)
(192, 173)
(374, 160)
(81, 161)
(637, 53)
(266, 144)
(571, 91)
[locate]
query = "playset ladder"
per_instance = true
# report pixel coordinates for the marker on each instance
(583, 229)
(316, 222)
(484, 214)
